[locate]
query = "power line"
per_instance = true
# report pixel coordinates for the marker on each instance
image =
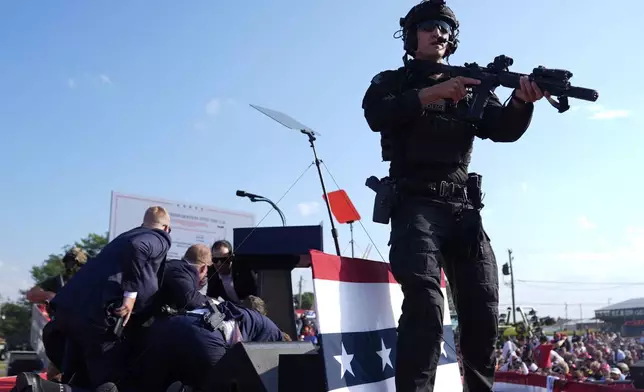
(575, 289)
(555, 304)
(582, 282)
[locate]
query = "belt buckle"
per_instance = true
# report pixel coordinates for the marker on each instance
(443, 189)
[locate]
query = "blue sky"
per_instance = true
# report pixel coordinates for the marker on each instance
(152, 98)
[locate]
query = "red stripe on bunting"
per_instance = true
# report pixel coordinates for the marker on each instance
(350, 270)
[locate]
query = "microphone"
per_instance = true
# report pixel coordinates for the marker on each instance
(246, 194)
(254, 198)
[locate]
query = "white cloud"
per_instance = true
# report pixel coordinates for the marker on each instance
(308, 208)
(105, 79)
(213, 106)
(610, 114)
(71, 83)
(599, 112)
(594, 107)
(624, 257)
(212, 109)
(585, 223)
(524, 186)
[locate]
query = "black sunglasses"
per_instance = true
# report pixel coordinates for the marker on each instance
(430, 25)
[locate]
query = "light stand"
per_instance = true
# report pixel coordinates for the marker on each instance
(291, 123)
(351, 241)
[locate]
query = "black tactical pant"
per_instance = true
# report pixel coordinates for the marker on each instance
(427, 235)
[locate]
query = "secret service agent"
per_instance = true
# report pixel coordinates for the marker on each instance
(120, 281)
(435, 221)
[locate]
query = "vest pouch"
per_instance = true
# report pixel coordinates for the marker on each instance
(439, 140)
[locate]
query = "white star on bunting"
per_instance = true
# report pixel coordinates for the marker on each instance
(384, 355)
(345, 362)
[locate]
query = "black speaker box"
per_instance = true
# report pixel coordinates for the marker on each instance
(23, 361)
(265, 367)
(637, 374)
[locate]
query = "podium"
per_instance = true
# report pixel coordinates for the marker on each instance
(273, 253)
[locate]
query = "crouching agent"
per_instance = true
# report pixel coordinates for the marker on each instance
(187, 346)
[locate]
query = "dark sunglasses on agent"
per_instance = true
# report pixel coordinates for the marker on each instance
(430, 25)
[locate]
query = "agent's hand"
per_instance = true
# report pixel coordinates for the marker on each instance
(529, 91)
(125, 310)
(455, 88)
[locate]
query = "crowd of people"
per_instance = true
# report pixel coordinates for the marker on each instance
(306, 328)
(598, 357)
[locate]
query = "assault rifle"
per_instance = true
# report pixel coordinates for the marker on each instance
(554, 81)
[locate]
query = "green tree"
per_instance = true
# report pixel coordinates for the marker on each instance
(53, 265)
(92, 244)
(308, 299)
(15, 323)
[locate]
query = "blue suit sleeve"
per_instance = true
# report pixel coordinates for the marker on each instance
(259, 328)
(181, 291)
(141, 267)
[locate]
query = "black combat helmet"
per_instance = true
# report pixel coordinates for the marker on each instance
(428, 10)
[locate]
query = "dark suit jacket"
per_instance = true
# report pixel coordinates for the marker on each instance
(180, 286)
(130, 262)
(244, 281)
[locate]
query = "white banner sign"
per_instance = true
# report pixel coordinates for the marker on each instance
(191, 223)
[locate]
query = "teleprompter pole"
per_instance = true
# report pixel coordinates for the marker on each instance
(334, 231)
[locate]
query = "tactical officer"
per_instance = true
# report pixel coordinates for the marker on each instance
(44, 292)
(435, 215)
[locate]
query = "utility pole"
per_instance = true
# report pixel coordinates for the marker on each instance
(299, 294)
(581, 313)
(353, 254)
(566, 305)
(514, 308)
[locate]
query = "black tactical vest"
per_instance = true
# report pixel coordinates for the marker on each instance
(440, 137)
